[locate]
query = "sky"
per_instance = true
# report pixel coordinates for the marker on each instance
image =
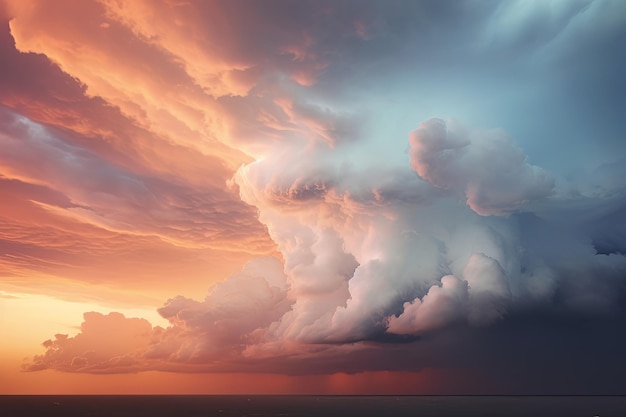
(319, 197)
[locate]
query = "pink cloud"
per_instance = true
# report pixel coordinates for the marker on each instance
(104, 341)
(201, 333)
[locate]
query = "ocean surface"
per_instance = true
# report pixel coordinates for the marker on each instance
(310, 406)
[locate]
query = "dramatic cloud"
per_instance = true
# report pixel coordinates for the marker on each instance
(367, 266)
(442, 305)
(486, 166)
(306, 141)
(81, 182)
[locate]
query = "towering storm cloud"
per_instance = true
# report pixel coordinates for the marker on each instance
(363, 186)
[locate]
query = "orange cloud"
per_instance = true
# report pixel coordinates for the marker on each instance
(114, 335)
(66, 153)
(145, 82)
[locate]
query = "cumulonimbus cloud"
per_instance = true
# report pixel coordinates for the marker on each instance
(363, 263)
(377, 263)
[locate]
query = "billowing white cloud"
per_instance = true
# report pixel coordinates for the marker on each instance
(486, 166)
(441, 306)
(355, 249)
(480, 298)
